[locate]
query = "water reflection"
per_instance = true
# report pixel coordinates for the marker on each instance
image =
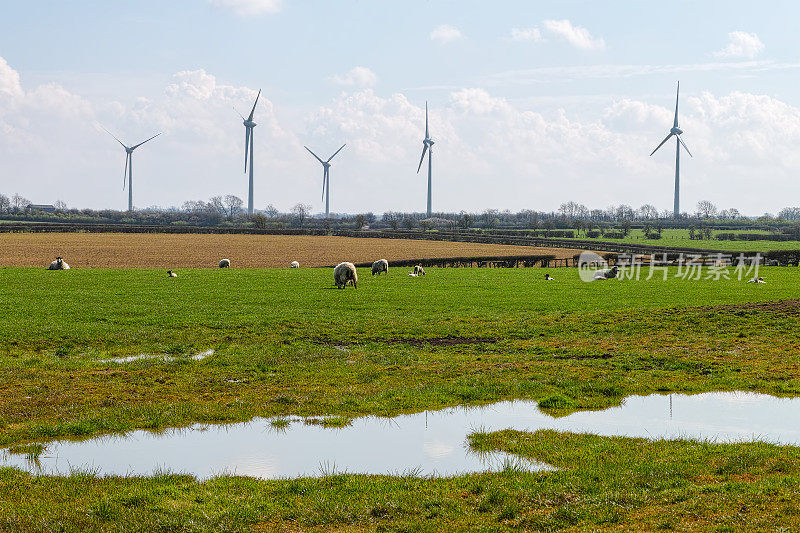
(428, 443)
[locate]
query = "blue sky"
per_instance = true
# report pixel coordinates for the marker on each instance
(533, 104)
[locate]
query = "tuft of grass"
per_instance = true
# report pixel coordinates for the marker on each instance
(557, 401)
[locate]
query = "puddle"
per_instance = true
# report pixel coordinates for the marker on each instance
(161, 357)
(427, 443)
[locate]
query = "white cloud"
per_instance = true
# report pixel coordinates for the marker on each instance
(446, 34)
(741, 45)
(356, 77)
(575, 35)
(527, 34)
(250, 7)
(9, 79)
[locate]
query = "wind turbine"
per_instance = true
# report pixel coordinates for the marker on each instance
(248, 146)
(129, 165)
(676, 131)
(427, 146)
(326, 177)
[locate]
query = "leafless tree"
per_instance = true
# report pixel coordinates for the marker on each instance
(60, 205)
(18, 202)
(216, 203)
(271, 211)
(233, 204)
(5, 203)
(301, 211)
(706, 209)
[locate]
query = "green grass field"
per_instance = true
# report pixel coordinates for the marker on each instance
(452, 337)
(679, 238)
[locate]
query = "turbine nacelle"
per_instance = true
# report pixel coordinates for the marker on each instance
(249, 123)
(676, 131)
(428, 142)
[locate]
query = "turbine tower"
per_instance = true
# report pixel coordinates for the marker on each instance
(248, 146)
(676, 131)
(427, 146)
(129, 165)
(326, 177)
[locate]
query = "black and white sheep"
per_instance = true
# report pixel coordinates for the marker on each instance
(418, 270)
(294, 264)
(757, 280)
(345, 273)
(224, 263)
(548, 277)
(58, 264)
(606, 273)
(381, 265)
(172, 274)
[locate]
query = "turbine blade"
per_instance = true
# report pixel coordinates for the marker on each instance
(254, 105)
(426, 120)
(115, 137)
(125, 172)
(237, 112)
(336, 152)
(675, 124)
(684, 145)
(246, 146)
(662, 144)
(421, 159)
(148, 140)
(324, 181)
(315, 155)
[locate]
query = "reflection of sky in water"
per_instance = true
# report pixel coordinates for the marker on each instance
(426, 443)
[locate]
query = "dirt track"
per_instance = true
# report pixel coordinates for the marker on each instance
(158, 250)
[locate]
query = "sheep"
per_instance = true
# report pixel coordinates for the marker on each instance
(381, 265)
(224, 263)
(172, 274)
(418, 270)
(548, 277)
(294, 264)
(345, 273)
(757, 280)
(606, 273)
(411, 274)
(58, 264)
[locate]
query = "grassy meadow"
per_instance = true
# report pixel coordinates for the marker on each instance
(288, 342)
(679, 238)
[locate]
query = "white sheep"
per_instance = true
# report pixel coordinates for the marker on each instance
(345, 273)
(757, 280)
(224, 263)
(606, 273)
(548, 277)
(294, 264)
(172, 274)
(381, 265)
(418, 270)
(58, 264)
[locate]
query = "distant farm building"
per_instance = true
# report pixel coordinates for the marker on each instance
(46, 208)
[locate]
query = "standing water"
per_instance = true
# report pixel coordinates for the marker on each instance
(427, 443)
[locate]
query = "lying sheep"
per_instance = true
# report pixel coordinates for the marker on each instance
(757, 280)
(418, 270)
(172, 274)
(225, 263)
(345, 273)
(381, 265)
(606, 273)
(548, 277)
(294, 264)
(58, 264)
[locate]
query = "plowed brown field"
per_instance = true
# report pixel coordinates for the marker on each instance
(159, 250)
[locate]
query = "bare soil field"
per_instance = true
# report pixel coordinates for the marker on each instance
(158, 250)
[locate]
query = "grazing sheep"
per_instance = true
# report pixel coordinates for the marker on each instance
(224, 263)
(547, 277)
(381, 265)
(58, 264)
(172, 274)
(418, 270)
(345, 273)
(294, 264)
(757, 280)
(606, 273)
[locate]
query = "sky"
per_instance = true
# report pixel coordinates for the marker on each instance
(532, 104)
